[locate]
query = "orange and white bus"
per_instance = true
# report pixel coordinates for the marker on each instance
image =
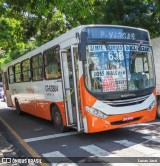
(92, 78)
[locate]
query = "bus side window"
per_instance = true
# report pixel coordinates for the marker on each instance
(37, 67)
(52, 63)
(18, 72)
(26, 75)
(11, 74)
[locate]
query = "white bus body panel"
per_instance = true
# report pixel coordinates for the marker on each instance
(50, 90)
(109, 110)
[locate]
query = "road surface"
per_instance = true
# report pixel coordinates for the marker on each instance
(141, 141)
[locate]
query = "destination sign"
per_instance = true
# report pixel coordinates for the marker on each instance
(116, 73)
(102, 48)
(116, 33)
(135, 47)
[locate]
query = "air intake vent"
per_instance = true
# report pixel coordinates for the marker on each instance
(126, 102)
(123, 122)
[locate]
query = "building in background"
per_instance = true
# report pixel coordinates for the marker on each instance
(156, 53)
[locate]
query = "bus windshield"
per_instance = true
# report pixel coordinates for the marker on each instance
(118, 67)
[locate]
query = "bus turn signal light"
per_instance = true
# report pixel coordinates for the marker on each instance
(152, 105)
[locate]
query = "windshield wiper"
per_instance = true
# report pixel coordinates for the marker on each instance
(103, 42)
(133, 56)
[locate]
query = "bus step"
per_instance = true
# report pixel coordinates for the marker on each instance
(71, 125)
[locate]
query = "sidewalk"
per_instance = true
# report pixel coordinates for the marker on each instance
(6, 149)
(9, 148)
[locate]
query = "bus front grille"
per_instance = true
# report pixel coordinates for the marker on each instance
(126, 102)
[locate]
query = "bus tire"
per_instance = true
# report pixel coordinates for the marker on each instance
(18, 109)
(158, 109)
(57, 119)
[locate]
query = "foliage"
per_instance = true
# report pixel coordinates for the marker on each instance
(137, 13)
(26, 24)
(82, 12)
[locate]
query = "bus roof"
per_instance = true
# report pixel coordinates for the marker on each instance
(63, 40)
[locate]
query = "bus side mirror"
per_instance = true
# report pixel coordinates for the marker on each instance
(82, 46)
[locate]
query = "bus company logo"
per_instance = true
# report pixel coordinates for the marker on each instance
(51, 88)
(128, 95)
(30, 90)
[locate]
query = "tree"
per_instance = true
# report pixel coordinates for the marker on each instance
(136, 13)
(26, 24)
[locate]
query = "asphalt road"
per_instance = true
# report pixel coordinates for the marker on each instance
(142, 140)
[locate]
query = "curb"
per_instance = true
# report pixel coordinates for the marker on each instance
(9, 150)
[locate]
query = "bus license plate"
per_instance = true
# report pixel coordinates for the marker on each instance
(127, 118)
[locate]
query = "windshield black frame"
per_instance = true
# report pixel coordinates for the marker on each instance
(120, 94)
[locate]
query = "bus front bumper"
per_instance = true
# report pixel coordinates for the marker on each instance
(96, 124)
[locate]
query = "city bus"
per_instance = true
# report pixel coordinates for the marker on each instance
(92, 78)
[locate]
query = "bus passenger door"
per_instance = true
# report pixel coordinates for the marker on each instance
(7, 95)
(70, 90)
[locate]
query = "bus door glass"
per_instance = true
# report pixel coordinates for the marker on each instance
(69, 74)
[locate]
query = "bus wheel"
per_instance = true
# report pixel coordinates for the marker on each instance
(158, 109)
(57, 120)
(18, 109)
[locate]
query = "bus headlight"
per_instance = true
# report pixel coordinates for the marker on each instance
(152, 105)
(95, 112)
